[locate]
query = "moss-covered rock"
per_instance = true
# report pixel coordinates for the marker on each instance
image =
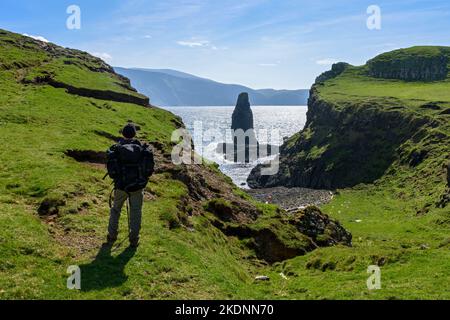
(336, 70)
(285, 235)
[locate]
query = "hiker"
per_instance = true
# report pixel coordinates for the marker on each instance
(130, 164)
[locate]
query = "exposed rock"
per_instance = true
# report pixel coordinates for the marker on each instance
(410, 65)
(336, 70)
(101, 94)
(50, 206)
(320, 228)
(242, 117)
(82, 60)
(342, 147)
(291, 198)
(272, 248)
(289, 235)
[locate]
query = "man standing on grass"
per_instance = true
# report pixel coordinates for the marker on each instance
(130, 164)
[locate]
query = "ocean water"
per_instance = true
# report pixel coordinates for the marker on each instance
(275, 122)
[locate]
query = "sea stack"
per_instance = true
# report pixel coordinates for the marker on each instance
(242, 117)
(245, 147)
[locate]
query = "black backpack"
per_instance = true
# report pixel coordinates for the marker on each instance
(130, 164)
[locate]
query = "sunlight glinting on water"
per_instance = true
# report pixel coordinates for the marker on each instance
(287, 119)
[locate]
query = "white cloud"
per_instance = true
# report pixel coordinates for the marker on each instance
(103, 55)
(274, 64)
(326, 62)
(194, 44)
(147, 36)
(40, 38)
(199, 44)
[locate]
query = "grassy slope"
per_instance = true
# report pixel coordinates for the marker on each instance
(40, 122)
(413, 248)
(387, 219)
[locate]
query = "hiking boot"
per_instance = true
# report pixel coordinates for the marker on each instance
(110, 239)
(134, 243)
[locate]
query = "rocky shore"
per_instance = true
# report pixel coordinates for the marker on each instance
(291, 199)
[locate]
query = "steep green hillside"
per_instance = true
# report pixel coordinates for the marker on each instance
(60, 109)
(385, 144)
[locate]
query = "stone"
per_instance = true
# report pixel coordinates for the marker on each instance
(409, 66)
(244, 148)
(336, 70)
(50, 206)
(242, 117)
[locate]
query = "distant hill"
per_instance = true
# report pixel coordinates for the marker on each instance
(174, 88)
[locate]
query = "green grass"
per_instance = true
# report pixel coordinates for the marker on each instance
(412, 252)
(39, 123)
(421, 51)
(354, 84)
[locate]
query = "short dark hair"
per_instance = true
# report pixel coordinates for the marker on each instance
(129, 131)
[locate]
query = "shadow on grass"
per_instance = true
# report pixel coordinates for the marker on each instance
(105, 271)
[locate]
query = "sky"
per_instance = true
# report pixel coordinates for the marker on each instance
(281, 44)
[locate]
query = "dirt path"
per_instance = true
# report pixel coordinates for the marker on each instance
(291, 198)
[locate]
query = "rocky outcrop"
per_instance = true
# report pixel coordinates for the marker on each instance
(69, 57)
(336, 70)
(318, 226)
(282, 236)
(101, 94)
(410, 65)
(340, 148)
(356, 135)
(291, 199)
(289, 236)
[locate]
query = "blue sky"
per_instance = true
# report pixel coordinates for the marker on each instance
(258, 43)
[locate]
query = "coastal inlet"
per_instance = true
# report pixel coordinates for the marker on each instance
(287, 119)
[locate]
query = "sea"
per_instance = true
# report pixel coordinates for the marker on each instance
(210, 126)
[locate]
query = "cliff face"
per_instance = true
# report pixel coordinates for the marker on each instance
(340, 148)
(411, 64)
(336, 70)
(362, 130)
